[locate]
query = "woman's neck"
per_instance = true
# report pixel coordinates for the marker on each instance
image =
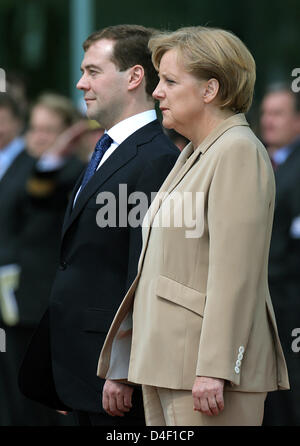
(211, 119)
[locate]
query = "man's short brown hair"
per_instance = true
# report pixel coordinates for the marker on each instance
(131, 48)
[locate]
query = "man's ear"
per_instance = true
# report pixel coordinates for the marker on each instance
(211, 90)
(136, 76)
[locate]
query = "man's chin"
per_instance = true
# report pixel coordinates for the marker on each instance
(91, 114)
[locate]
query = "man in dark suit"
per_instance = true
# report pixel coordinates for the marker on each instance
(99, 262)
(280, 126)
(14, 167)
(32, 211)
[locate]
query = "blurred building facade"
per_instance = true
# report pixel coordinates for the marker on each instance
(44, 47)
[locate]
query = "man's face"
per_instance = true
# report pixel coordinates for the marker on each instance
(9, 127)
(44, 128)
(105, 87)
(279, 120)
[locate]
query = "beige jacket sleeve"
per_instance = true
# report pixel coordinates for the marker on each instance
(239, 205)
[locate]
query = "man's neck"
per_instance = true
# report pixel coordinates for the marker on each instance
(130, 112)
(123, 129)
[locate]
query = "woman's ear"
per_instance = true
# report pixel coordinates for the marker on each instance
(136, 76)
(211, 90)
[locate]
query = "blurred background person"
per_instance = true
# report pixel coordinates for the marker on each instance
(53, 120)
(34, 192)
(16, 86)
(280, 130)
(15, 166)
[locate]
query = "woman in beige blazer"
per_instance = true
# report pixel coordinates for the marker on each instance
(204, 342)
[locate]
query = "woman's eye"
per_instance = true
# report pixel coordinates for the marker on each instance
(170, 81)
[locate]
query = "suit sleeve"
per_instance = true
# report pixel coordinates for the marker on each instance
(152, 176)
(238, 215)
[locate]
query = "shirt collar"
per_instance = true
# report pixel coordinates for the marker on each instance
(127, 127)
(13, 148)
(9, 153)
(281, 155)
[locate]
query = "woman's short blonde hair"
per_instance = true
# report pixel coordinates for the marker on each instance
(212, 53)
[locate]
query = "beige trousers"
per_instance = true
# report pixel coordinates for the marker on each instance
(168, 407)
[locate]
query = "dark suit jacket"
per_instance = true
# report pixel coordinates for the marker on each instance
(97, 266)
(30, 227)
(284, 262)
(11, 197)
(41, 214)
(282, 408)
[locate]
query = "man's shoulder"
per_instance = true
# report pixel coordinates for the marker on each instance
(292, 162)
(19, 167)
(155, 143)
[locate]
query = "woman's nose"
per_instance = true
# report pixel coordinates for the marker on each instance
(158, 93)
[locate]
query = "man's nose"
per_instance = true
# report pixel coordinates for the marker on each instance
(82, 84)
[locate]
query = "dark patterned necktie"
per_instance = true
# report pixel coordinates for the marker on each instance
(102, 145)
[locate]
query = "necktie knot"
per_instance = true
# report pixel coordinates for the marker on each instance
(102, 145)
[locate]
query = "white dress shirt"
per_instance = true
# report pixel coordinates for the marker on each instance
(122, 131)
(9, 153)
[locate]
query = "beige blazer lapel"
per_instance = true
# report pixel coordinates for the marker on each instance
(159, 198)
(126, 305)
(233, 121)
(186, 160)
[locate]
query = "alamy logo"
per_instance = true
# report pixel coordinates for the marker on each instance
(296, 82)
(2, 341)
(2, 81)
(177, 210)
(296, 342)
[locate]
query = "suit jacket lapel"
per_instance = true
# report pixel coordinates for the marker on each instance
(22, 158)
(159, 198)
(185, 162)
(163, 192)
(121, 156)
(233, 121)
(70, 203)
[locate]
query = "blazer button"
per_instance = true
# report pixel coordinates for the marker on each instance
(237, 370)
(63, 266)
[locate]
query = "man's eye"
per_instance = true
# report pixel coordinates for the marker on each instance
(170, 81)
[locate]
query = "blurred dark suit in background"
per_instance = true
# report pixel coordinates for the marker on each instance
(33, 201)
(280, 127)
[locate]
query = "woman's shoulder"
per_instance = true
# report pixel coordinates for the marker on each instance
(241, 140)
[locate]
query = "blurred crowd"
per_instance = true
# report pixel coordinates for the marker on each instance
(44, 146)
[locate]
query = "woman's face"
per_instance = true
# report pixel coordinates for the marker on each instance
(180, 95)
